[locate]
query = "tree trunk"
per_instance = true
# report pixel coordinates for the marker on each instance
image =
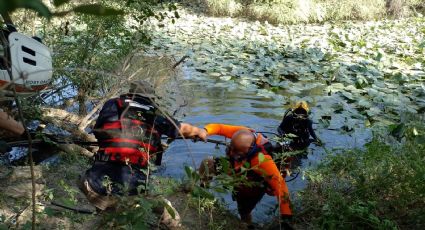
(81, 98)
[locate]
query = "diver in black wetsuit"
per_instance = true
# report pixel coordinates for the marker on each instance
(296, 122)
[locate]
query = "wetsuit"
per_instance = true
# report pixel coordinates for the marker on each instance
(129, 132)
(265, 174)
(302, 128)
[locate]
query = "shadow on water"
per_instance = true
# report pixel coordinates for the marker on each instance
(241, 107)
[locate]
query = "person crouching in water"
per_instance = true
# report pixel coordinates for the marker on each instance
(246, 147)
(297, 126)
(128, 130)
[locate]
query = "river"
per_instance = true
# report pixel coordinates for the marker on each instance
(249, 73)
(214, 101)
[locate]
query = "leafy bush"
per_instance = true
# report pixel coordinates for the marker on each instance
(282, 11)
(224, 7)
(296, 11)
(380, 187)
(359, 9)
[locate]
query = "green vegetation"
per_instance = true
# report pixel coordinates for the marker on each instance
(311, 11)
(379, 187)
(355, 74)
(43, 10)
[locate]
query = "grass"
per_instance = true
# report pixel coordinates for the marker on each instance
(311, 11)
(380, 187)
(224, 7)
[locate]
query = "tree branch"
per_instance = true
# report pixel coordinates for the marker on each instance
(180, 61)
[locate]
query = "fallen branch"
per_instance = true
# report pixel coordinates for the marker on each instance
(67, 121)
(87, 119)
(73, 148)
(77, 210)
(180, 61)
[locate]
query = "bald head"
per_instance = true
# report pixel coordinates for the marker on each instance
(242, 138)
(241, 142)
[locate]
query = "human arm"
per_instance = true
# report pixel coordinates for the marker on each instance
(284, 126)
(173, 128)
(312, 133)
(268, 169)
(188, 130)
(8, 123)
(223, 130)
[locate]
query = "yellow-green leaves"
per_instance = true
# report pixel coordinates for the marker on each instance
(97, 9)
(261, 158)
(8, 6)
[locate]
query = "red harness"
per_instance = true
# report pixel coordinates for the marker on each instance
(124, 145)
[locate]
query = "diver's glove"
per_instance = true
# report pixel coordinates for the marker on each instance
(318, 142)
(4, 147)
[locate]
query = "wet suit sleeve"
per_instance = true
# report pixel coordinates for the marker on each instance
(311, 130)
(109, 112)
(269, 170)
(167, 125)
(223, 130)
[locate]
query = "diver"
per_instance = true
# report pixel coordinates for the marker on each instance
(297, 127)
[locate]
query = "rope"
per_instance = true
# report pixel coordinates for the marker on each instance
(77, 210)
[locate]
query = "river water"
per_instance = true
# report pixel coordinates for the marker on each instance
(214, 100)
(217, 101)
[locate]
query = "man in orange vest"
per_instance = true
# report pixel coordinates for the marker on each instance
(249, 147)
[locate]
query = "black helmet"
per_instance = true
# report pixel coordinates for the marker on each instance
(142, 88)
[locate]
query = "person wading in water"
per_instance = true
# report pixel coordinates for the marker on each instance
(297, 126)
(262, 176)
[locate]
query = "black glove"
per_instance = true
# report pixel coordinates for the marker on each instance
(4, 147)
(318, 142)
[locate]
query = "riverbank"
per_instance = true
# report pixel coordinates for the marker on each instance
(57, 184)
(379, 187)
(310, 11)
